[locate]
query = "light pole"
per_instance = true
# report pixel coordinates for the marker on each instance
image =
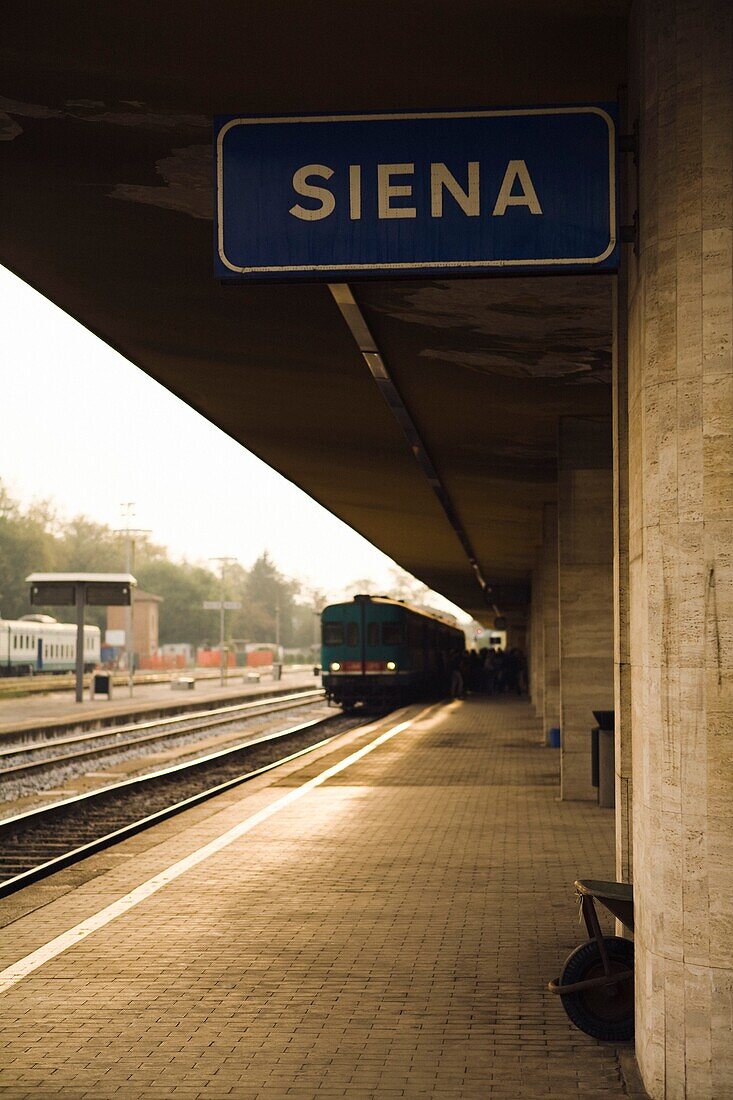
(128, 512)
(223, 562)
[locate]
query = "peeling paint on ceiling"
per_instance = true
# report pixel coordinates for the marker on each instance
(186, 187)
(516, 323)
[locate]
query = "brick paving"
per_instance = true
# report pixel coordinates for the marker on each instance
(390, 934)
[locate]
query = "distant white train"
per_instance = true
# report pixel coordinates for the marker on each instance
(38, 643)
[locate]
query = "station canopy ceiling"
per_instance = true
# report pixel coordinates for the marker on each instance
(106, 200)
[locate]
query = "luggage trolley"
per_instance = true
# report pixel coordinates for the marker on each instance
(596, 986)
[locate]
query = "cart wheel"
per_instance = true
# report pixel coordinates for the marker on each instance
(606, 1012)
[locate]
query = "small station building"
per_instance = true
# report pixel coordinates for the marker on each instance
(146, 621)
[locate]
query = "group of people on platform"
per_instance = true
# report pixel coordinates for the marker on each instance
(489, 672)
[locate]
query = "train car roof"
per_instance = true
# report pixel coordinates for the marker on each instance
(435, 616)
(34, 625)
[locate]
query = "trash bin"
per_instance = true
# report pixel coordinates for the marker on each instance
(594, 757)
(604, 735)
(101, 684)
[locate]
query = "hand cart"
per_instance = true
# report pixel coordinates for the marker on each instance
(596, 986)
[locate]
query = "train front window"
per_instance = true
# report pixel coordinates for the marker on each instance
(352, 634)
(372, 633)
(392, 633)
(333, 633)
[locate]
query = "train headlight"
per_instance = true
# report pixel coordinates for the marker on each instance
(391, 666)
(335, 666)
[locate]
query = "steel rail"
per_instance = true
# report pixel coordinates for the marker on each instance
(227, 714)
(35, 767)
(84, 801)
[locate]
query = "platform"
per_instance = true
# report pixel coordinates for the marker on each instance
(385, 929)
(61, 712)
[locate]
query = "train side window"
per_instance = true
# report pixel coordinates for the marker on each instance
(333, 633)
(352, 634)
(372, 633)
(392, 633)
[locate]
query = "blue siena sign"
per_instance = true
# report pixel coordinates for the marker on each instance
(452, 193)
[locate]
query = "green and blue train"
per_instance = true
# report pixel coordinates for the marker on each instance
(378, 652)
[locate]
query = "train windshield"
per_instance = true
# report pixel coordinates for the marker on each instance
(333, 633)
(372, 633)
(392, 633)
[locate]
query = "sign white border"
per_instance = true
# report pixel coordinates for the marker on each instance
(424, 264)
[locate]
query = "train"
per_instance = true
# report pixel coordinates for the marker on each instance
(39, 643)
(377, 652)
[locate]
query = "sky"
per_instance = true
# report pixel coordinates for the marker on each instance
(83, 426)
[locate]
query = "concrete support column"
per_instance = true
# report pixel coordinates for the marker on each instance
(550, 621)
(681, 545)
(621, 591)
(585, 570)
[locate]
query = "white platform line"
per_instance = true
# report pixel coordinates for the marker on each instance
(21, 969)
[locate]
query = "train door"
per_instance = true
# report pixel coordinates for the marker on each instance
(39, 658)
(363, 636)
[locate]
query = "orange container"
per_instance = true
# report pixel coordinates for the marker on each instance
(211, 658)
(161, 662)
(259, 658)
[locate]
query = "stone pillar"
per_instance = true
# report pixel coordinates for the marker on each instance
(537, 655)
(550, 621)
(585, 570)
(621, 587)
(681, 545)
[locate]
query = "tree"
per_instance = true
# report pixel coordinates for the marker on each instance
(26, 546)
(184, 588)
(267, 596)
(306, 618)
(35, 539)
(363, 586)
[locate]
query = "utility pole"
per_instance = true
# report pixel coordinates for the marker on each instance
(277, 625)
(223, 562)
(128, 513)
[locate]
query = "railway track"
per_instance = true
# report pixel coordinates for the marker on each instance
(38, 843)
(24, 760)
